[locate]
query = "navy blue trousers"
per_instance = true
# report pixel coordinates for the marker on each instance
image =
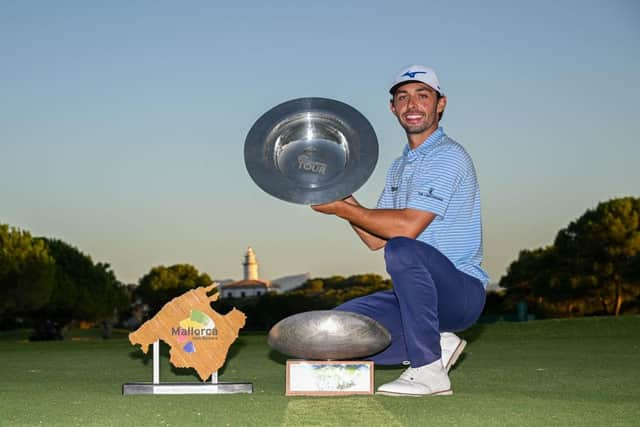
(430, 295)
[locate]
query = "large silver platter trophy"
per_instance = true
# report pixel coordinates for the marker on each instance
(311, 151)
(314, 151)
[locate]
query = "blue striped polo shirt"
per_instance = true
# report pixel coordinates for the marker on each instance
(439, 177)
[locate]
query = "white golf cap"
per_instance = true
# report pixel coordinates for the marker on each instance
(417, 73)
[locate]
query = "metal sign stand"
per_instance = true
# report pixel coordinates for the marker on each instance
(156, 387)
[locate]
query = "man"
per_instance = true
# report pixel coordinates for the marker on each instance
(428, 221)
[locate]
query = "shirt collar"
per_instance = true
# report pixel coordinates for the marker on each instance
(411, 155)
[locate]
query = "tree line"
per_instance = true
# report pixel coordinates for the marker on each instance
(49, 283)
(592, 268)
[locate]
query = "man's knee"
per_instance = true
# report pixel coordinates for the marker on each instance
(403, 252)
(398, 246)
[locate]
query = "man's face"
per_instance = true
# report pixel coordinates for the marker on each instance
(417, 107)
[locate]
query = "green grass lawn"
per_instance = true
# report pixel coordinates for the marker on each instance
(540, 373)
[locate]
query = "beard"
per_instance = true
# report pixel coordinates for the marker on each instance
(415, 129)
(418, 128)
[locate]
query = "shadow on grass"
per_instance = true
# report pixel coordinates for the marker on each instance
(279, 357)
(147, 358)
(473, 333)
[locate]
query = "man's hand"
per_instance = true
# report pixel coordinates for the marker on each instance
(351, 200)
(330, 208)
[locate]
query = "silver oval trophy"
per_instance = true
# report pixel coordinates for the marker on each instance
(329, 346)
(328, 335)
(311, 150)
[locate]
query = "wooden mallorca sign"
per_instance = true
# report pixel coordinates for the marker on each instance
(198, 338)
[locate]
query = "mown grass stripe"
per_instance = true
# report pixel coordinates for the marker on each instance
(333, 411)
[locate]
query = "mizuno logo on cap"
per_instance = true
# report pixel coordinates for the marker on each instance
(412, 74)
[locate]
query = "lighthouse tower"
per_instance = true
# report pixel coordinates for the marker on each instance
(251, 285)
(250, 265)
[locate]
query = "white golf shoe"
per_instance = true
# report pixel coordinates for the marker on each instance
(427, 380)
(452, 347)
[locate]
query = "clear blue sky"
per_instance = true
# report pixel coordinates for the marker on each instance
(122, 123)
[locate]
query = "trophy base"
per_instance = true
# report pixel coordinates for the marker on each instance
(329, 378)
(186, 388)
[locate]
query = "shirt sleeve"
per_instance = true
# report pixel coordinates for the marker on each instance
(436, 181)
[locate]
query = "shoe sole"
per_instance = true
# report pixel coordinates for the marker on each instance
(438, 393)
(456, 354)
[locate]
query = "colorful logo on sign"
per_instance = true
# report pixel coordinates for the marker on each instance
(197, 326)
